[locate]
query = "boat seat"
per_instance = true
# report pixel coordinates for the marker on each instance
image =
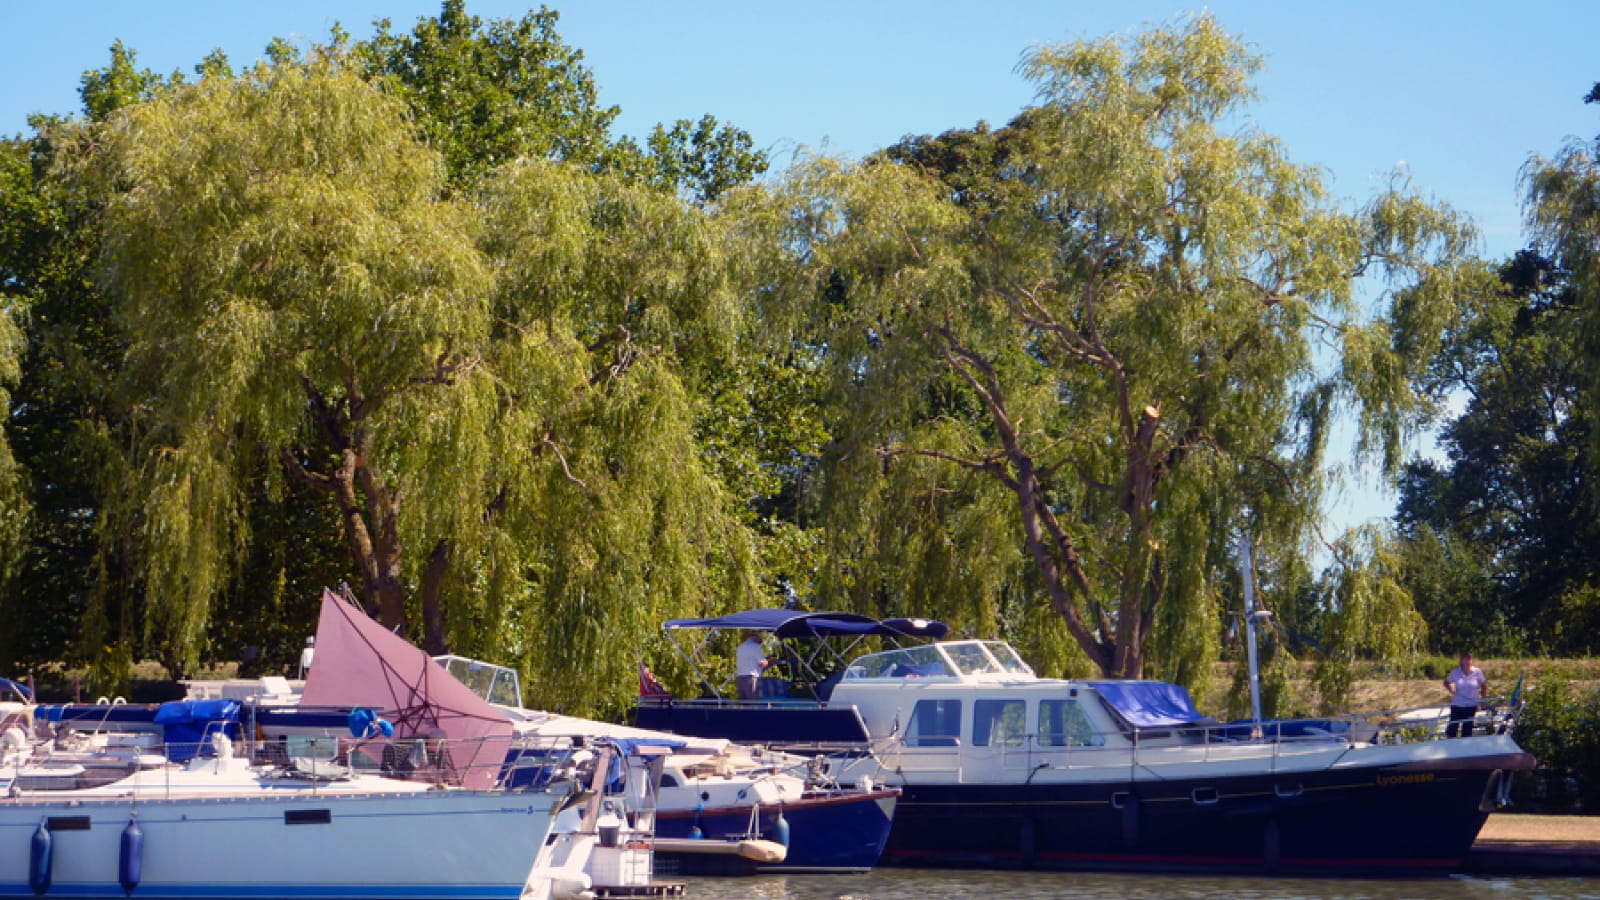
(825, 689)
(916, 670)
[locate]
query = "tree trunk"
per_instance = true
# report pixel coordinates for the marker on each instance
(434, 639)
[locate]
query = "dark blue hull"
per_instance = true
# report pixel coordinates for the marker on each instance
(772, 722)
(1413, 819)
(837, 832)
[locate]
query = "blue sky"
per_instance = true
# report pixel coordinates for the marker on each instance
(1460, 93)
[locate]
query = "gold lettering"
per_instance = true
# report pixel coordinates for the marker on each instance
(1391, 780)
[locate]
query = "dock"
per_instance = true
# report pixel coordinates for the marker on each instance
(637, 891)
(1520, 844)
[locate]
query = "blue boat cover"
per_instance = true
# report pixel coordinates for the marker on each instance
(789, 623)
(181, 712)
(21, 690)
(628, 746)
(917, 627)
(364, 723)
(184, 724)
(97, 714)
(1149, 704)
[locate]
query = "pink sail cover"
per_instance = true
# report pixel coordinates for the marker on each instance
(359, 663)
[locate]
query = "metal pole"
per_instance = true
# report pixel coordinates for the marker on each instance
(1250, 626)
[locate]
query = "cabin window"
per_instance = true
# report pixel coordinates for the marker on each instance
(1063, 724)
(935, 723)
(999, 723)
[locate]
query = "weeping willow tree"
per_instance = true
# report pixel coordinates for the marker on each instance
(1076, 357)
(1373, 614)
(493, 395)
(1561, 207)
(14, 505)
(615, 307)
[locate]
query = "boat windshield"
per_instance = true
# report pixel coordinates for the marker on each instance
(496, 684)
(907, 662)
(953, 658)
(1007, 657)
(970, 658)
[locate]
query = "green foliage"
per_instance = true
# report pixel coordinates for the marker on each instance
(1454, 592)
(404, 308)
(1499, 533)
(1073, 357)
(56, 426)
(1436, 668)
(484, 94)
(1560, 726)
(15, 509)
(493, 401)
(119, 85)
(1562, 209)
(704, 159)
(488, 93)
(1370, 615)
(18, 203)
(301, 357)
(1279, 698)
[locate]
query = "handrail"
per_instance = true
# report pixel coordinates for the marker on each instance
(450, 763)
(1274, 739)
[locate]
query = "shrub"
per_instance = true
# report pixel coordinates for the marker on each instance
(1561, 727)
(1435, 668)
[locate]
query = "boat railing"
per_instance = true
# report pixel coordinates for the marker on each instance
(1278, 742)
(773, 700)
(318, 762)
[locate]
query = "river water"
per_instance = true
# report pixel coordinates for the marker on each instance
(926, 884)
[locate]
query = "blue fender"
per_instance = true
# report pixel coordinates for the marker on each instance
(780, 829)
(130, 863)
(39, 858)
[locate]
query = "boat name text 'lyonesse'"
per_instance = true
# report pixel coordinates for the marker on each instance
(1421, 778)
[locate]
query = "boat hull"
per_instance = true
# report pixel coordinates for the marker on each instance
(844, 832)
(773, 723)
(1414, 819)
(328, 844)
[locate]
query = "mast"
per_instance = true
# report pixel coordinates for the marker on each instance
(1250, 625)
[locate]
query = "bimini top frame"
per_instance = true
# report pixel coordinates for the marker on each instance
(803, 636)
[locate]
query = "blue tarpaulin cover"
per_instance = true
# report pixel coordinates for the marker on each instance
(184, 724)
(179, 712)
(628, 746)
(22, 691)
(1149, 704)
(364, 723)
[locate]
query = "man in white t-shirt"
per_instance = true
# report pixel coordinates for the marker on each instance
(750, 660)
(1467, 687)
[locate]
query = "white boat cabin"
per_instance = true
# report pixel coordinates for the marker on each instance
(970, 694)
(974, 709)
